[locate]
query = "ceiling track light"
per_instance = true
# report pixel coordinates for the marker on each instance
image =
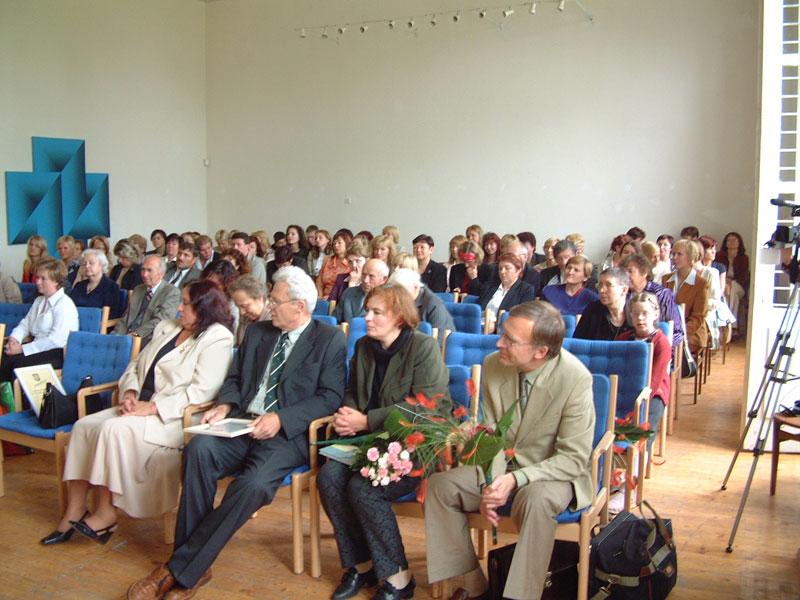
(392, 24)
(533, 8)
(410, 24)
(434, 22)
(303, 33)
(508, 12)
(364, 28)
(482, 14)
(456, 17)
(324, 35)
(561, 5)
(342, 29)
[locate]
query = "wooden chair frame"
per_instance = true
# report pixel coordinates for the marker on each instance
(57, 445)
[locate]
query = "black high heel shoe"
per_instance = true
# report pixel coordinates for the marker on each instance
(59, 537)
(100, 536)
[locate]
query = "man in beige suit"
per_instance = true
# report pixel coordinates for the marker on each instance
(552, 439)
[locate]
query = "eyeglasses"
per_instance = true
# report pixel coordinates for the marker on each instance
(272, 302)
(509, 343)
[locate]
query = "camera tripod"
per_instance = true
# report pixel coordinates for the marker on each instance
(776, 373)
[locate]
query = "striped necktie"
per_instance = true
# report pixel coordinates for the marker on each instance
(275, 370)
(524, 392)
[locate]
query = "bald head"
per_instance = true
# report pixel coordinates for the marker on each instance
(374, 273)
(153, 269)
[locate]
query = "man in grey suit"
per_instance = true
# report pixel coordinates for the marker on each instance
(551, 435)
(183, 271)
(151, 302)
(351, 304)
(247, 246)
(287, 372)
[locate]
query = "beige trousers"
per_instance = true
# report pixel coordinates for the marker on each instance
(454, 493)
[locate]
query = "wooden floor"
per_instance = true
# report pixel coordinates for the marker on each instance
(764, 565)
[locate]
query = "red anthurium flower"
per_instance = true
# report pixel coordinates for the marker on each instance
(460, 412)
(421, 490)
(415, 438)
(410, 400)
(429, 403)
(509, 452)
(471, 387)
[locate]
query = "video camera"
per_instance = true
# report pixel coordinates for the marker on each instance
(785, 235)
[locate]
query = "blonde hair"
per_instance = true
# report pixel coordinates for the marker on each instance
(393, 231)
(404, 260)
(649, 300)
(650, 250)
(456, 241)
(382, 241)
(29, 266)
(106, 246)
(691, 249)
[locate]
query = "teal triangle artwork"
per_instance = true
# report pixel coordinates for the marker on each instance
(58, 197)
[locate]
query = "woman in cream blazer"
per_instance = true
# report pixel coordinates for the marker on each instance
(131, 453)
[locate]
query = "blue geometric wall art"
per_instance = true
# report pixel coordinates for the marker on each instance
(58, 197)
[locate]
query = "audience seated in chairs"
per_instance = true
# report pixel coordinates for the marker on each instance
(286, 373)
(392, 362)
(97, 289)
(464, 275)
(644, 314)
(737, 281)
(432, 273)
(562, 252)
(509, 292)
(158, 237)
(9, 290)
(126, 273)
(102, 243)
(36, 249)
(205, 252)
(250, 296)
(41, 336)
(334, 265)
(320, 249)
(690, 290)
(357, 255)
(224, 275)
(351, 304)
(130, 454)
(430, 307)
(66, 250)
(572, 297)
(552, 436)
(151, 302)
(282, 257)
(183, 270)
(605, 319)
(247, 246)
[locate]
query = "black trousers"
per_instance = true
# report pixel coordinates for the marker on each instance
(201, 531)
(10, 362)
(363, 521)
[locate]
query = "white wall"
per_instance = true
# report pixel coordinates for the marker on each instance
(129, 78)
(646, 117)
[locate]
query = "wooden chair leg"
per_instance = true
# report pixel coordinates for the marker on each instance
(662, 433)
(584, 542)
(483, 544)
(2, 473)
(629, 454)
(776, 449)
(436, 589)
(297, 524)
(642, 450)
(313, 515)
(61, 441)
(168, 521)
(670, 412)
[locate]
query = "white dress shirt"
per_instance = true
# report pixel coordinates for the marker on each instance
(48, 322)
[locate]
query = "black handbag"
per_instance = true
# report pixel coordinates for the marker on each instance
(633, 558)
(562, 574)
(59, 409)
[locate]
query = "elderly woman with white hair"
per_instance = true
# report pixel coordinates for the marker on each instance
(429, 306)
(97, 290)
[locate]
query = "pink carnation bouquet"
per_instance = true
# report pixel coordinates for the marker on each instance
(384, 463)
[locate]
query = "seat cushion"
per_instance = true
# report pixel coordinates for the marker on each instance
(297, 471)
(25, 422)
(565, 516)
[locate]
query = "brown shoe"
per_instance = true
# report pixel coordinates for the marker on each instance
(181, 593)
(153, 586)
(462, 594)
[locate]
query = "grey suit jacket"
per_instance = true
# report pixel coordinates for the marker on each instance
(552, 440)
(432, 309)
(350, 305)
(193, 274)
(164, 305)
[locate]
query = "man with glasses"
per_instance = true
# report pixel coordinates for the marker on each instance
(551, 436)
(286, 373)
(351, 304)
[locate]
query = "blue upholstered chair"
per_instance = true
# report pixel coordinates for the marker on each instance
(570, 321)
(355, 330)
(632, 363)
(12, 314)
(447, 296)
(28, 291)
(93, 320)
(325, 319)
(427, 329)
(468, 348)
(467, 317)
(323, 307)
(105, 358)
(576, 526)
(470, 299)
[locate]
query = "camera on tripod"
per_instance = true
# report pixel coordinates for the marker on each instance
(785, 235)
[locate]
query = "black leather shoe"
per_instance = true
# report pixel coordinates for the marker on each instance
(59, 537)
(101, 535)
(388, 592)
(352, 582)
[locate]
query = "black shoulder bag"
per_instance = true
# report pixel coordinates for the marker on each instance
(59, 409)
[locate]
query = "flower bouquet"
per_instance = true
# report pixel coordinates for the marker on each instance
(626, 430)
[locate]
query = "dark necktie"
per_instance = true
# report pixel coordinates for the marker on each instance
(524, 392)
(275, 370)
(142, 309)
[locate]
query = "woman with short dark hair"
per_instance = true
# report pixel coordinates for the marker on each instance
(130, 454)
(605, 319)
(737, 281)
(392, 362)
(509, 292)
